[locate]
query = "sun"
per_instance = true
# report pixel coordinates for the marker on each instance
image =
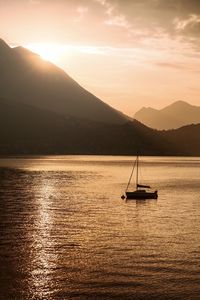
(49, 52)
(54, 52)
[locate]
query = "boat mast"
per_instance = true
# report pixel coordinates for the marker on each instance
(137, 161)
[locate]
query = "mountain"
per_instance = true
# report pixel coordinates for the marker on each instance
(27, 78)
(176, 115)
(44, 111)
(185, 139)
(28, 130)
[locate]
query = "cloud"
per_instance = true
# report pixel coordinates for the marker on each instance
(176, 18)
(189, 26)
(82, 12)
(120, 23)
(170, 65)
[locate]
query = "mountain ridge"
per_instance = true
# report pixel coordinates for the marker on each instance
(175, 115)
(31, 80)
(28, 130)
(56, 134)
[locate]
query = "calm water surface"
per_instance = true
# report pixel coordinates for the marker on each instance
(65, 233)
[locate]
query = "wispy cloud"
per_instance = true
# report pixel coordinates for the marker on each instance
(119, 20)
(171, 65)
(176, 18)
(82, 12)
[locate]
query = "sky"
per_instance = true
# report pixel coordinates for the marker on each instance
(129, 53)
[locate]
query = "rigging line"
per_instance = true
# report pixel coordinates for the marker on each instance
(131, 176)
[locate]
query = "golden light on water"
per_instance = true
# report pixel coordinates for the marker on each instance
(43, 253)
(66, 232)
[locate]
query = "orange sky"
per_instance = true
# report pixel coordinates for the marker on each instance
(129, 53)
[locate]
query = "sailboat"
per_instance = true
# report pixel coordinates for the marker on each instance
(140, 192)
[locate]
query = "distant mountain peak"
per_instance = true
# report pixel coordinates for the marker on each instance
(175, 115)
(180, 103)
(178, 107)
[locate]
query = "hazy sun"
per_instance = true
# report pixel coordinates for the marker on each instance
(50, 52)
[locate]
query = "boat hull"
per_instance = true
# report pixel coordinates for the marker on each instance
(141, 195)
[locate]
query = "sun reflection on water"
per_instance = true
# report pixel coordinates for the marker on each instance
(44, 256)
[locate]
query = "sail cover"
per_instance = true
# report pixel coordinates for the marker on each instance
(143, 186)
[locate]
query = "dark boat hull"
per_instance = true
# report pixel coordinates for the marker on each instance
(141, 195)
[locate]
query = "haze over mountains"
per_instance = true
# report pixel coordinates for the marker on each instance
(44, 111)
(175, 115)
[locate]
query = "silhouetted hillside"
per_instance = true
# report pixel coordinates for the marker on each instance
(28, 130)
(176, 115)
(186, 139)
(27, 78)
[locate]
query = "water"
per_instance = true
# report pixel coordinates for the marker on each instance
(65, 233)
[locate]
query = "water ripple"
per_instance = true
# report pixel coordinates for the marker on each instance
(66, 234)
